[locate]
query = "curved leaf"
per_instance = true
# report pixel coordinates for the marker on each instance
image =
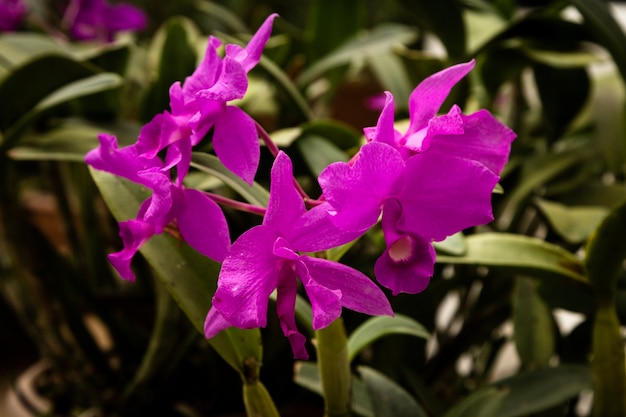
(211, 165)
(190, 277)
(574, 224)
(377, 327)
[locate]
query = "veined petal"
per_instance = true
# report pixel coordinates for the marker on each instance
(406, 265)
(285, 308)
(254, 49)
(450, 124)
(248, 276)
(236, 143)
(444, 195)
(484, 139)
(160, 210)
(384, 131)
(285, 205)
(429, 95)
(357, 192)
(355, 290)
(203, 226)
(206, 73)
(134, 233)
(231, 84)
(124, 162)
(315, 231)
(214, 323)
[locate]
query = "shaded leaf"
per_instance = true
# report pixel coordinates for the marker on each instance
(522, 255)
(189, 277)
(376, 327)
(211, 165)
(371, 43)
(484, 403)
(318, 152)
(388, 398)
(574, 224)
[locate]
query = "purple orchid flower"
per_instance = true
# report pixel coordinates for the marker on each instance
(200, 221)
(12, 14)
(200, 104)
(429, 183)
(266, 258)
(96, 19)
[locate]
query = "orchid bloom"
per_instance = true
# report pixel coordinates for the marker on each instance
(267, 258)
(12, 14)
(200, 104)
(95, 19)
(429, 183)
(200, 220)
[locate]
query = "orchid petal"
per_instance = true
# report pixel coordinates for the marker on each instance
(285, 308)
(315, 231)
(236, 143)
(484, 139)
(445, 195)
(214, 323)
(411, 276)
(134, 234)
(254, 49)
(247, 278)
(357, 192)
(429, 95)
(285, 205)
(203, 225)
(384, 131)
(357, 291)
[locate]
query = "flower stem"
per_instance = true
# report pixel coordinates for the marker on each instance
(334, 368)
(271, 146)
(238, 205)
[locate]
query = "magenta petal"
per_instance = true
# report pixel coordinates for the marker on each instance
(203, 225)
(358, 292)
(384, 131)
(206, 73)
(449, 124)
(315, 231)
(247, 278)
(160, 211)
(411, 274)
(124, 16)
(285, 205)
(254, 49)
(231, 85)
(357, 192)
(214, 323)
(236, 143)
(325, 304)
(429, 95)
(484, 139)
(444, 195)
(285, 308)
(134, 233)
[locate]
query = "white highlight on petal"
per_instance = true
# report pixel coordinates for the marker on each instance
(402, 249)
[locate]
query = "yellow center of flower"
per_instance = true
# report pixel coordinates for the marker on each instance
(401, 250)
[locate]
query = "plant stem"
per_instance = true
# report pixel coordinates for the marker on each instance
(334, 368)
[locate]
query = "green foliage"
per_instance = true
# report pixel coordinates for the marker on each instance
(556, 243)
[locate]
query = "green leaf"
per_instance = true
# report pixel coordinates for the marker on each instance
(59, 71)
(371, 43)
(522, 255)
(484, 403)
(376, 327)
(607, 31)
(318, 152)
(608, 365)
(560, 102)
(531, 392)
(606, 252)
(452, 245)
(190, 277)
(211, 165)
(392, 75)
(73, 90)
(388, 398)
(330, 23)
(574, 224)
(536, 172)
(173, 54)
(532, 324)
(306, 374)
(444, 19)
(223, 14)
(67, 143)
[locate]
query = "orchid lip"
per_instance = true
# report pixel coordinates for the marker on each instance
(401, 250)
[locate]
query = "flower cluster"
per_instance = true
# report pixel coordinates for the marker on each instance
(430, 182)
